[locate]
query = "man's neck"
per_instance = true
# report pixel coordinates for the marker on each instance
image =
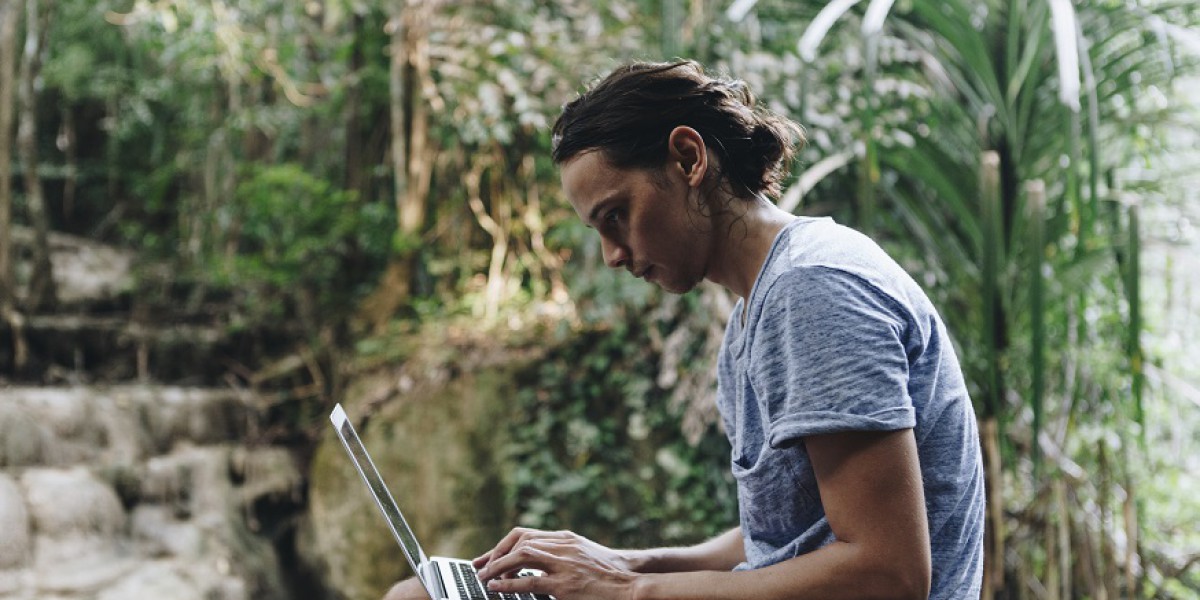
(746, 241)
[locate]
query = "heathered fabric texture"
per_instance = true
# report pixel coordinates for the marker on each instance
(837, 337)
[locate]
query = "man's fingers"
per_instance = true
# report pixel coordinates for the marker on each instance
(516, 537)
(537, 554)
(502, 547)
(521, 585)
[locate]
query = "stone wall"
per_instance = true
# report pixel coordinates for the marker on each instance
(137, 492)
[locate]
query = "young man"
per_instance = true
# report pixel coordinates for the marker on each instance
(854, 444)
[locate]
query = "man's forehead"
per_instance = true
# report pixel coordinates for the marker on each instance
(588, 179)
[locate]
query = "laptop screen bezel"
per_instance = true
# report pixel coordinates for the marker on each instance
(383, 498)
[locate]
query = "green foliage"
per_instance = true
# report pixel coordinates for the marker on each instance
(297, 236)
(1043, 303)
(220, 136)
(599, 447)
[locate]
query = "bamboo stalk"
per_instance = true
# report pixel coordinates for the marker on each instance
(1107, 561)
(1093, 125)
(1081, 219)
(1035, 193)
(1133, 504)
(1050, 541)
(993, 578)
(1064, 538)
(1131, 538)
(993, 227)
(869, 174)
(1087, 565)
(1133, 291)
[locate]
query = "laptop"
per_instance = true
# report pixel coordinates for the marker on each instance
(443, 578)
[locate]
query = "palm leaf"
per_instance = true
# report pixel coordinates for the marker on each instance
(821, 24)
(1062, 17)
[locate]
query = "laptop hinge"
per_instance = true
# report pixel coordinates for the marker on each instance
(434, 577)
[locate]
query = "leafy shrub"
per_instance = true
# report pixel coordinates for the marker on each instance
(302, 245)
(600, 450)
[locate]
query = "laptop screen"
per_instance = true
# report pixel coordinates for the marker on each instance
(391, 512)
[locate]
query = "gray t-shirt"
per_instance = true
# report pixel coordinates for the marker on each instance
(837, 337)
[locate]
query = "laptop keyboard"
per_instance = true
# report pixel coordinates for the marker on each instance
(470, 587)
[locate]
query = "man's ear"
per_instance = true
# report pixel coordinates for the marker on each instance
(687, 155)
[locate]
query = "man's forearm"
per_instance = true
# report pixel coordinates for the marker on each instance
(839, 571)
(721, 553)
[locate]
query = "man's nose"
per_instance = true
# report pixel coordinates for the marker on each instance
(615, 255)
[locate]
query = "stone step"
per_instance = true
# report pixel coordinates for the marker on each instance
(140, 491)
(109, 349)
(114, 425)
(87, 276)
(116, 349)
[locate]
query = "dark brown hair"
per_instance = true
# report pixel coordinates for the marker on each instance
(630, 113)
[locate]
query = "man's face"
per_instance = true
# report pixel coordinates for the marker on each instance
(649, 222)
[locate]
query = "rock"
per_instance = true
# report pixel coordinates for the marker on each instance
(112, 425)
(159, 579)
(70, 501)
(84, 271)
(175, 580)
(76, 522)
(267, 473)
(436, 448)
(16, 584)
(157, 533)
(78, 563)
(67, 420)
(23, 441)
(14, 522)
(202, 416)
(193, 480)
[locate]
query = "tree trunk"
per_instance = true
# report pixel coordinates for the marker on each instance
(41, 285)
(67, 144)
(10, 11)
(355, 177)
(396, 72)
(412, 154)
(420, 151)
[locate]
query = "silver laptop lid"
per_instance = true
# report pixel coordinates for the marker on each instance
(391, 512)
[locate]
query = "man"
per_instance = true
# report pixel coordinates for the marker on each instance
(853, 439)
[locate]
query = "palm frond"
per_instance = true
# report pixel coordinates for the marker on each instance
(821, 24)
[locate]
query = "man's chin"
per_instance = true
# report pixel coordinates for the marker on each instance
(674, 287)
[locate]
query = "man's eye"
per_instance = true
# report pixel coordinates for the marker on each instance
(612, 217)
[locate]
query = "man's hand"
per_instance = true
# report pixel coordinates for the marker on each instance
(409, 589)
(575, 567)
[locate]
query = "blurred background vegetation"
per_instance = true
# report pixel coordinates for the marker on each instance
(357, 197)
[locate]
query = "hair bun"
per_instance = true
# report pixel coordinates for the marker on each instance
(764, 135)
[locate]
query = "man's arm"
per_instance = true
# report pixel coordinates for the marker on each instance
(408, 589)
(721, 553)
(870, 486)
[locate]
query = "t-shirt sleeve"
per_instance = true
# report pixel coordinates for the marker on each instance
(829, 355)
